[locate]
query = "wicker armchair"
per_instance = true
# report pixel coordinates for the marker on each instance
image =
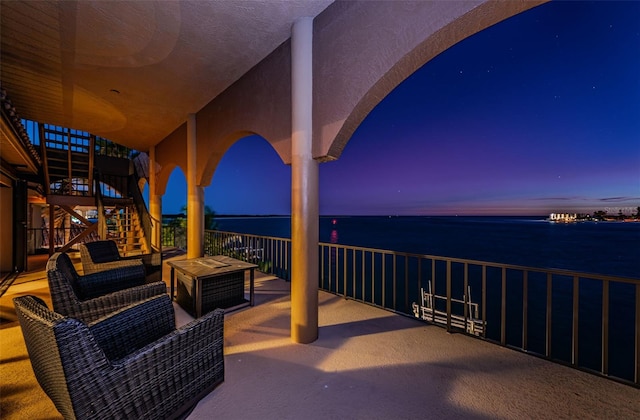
(104, 255)
(95, 295)
(133, 364)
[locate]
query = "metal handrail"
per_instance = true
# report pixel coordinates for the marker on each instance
(38, 238)
(561, 315)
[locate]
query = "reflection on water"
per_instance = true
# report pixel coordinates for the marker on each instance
(333, 238)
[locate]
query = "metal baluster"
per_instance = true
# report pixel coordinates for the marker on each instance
(433, 290)
(525, 311)
(384, 280)
(503, 310)
(406, 282)
(575, 325)
(393, 290)
(465, 298)
(549, 303)
(605, 327)
(637, 334)
(448, 295)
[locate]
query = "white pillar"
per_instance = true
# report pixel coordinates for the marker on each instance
(195, 196)
(304, 189)
(155, 203)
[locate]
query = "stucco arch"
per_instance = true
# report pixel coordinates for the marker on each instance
(162, 177)
(171, 152)
(258, 103)
(363, 50)
(221, 149)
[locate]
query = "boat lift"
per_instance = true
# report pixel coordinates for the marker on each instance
(470, 321)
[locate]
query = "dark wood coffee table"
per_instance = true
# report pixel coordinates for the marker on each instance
(207, 283)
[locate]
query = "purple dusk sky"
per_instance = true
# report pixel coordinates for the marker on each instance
(537, 114)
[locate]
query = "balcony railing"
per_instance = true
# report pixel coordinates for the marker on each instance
(587, 321)
(174, 236)
(271, 254)
(38, 238)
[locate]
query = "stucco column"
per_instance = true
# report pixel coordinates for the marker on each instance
(155, 203)
(304, 189)
(195, 196)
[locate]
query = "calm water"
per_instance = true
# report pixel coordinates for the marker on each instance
(606, 248)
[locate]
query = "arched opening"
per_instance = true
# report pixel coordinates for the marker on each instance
(174, 214)
(175, 197)
(250, 180)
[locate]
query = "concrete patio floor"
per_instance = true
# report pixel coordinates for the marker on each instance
(371, 364)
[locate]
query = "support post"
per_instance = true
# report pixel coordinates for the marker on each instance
(195, 196)
(52, 213)
(155, 204)
(304, 189)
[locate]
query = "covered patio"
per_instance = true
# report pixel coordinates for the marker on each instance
(183, 81)
(366, 363)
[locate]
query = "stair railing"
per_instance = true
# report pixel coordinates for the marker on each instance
(141, 209)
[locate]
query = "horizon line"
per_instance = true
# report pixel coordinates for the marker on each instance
(367, 215)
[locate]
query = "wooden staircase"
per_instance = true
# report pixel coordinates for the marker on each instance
(77, 175)
(68, 162)
(125, 228)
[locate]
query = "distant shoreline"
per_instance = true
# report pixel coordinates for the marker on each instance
(541, 217)
(222, 216)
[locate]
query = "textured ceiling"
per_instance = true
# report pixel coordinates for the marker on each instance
(131, 71)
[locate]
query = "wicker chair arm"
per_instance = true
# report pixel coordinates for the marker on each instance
(132, 327)
(94, 309)
(200, 333)
(104, 282)
(101, 267)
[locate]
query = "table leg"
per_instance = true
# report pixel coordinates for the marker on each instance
(198, 296)
(251, 287)
(173, 272)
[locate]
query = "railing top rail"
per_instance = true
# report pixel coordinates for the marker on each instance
(251, 235)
